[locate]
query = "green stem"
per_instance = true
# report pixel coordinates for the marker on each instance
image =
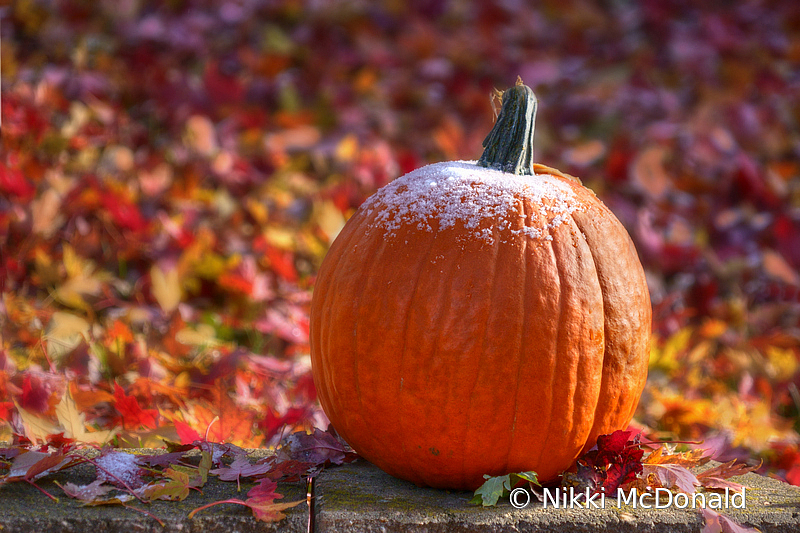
(509, 146)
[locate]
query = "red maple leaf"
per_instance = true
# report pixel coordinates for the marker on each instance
(14, 184)
(186, 434)
(260, 500)
(272, 422)
(133, 416)
(615, 461)
(124, 213)
(35, 394)
(5, 411)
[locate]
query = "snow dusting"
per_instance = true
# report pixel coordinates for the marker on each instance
(462, 192)
(119, 466)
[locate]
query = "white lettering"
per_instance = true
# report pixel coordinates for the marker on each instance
(701, 497)
(641, 501)
(590, 500)
(621, 499)
(715, 501)
(681, 496)
(574, 499)
(659, 491)
(741, 497)
(553, 501)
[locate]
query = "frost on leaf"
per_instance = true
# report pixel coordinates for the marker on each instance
(119, 468)
(241, 467)
(87, 493)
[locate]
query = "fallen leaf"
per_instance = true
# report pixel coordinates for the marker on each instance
(673, 476)
(717, 523)
(74, 423)
(717, 477)
(87, 493)
(166, 287)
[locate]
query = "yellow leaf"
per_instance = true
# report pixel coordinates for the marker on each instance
(69, 417)
(72, 263)
(74, 422)
(258, 210)
(347, 148)
(782, 363)
(64, 332)
(176, 489)
(209, 266)
(202, 335)
(45, 269)
(330, 219)
(281, 238)
(82, 280)
(36, 427)
(166, 288)
(666, 357)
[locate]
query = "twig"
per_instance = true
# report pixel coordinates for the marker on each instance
(310, 502)
(151, 515)
(40, 489)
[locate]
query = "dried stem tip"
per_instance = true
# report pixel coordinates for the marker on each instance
(509, 146)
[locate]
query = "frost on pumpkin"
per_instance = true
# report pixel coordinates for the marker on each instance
(450, 193)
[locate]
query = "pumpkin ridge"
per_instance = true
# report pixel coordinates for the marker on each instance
(326, 304)
(362, 289)
(559, 358)
(554, 368)
(600, 406)
(586, 356)
(357, 239)
(522, 345)
(437, 325)
(626, 396)
(495, 249)
(420, 270)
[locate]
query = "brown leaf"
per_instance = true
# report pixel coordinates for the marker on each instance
(717, 477)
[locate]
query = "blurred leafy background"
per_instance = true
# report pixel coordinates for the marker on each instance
(172, 173)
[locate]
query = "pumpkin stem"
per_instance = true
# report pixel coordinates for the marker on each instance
(509, 146)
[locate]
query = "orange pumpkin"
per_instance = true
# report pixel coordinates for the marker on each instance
(480, 318)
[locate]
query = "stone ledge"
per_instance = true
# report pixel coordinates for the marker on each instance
(23, 509)
(360, 498)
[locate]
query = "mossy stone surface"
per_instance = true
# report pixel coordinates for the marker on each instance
(359, 497)
(24, 509)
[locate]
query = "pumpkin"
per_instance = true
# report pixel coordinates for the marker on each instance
(480, 317)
